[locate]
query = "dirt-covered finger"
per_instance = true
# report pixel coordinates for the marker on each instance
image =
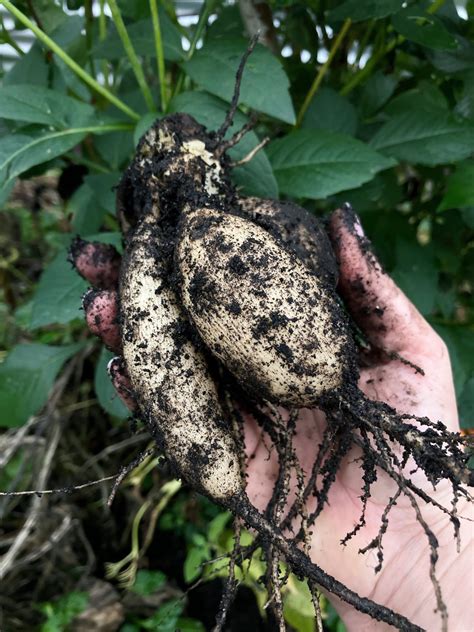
(376, 303)
(121, 381)
(98, 263)
(102, 316)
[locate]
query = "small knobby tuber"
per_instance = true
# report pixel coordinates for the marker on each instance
(221, 294)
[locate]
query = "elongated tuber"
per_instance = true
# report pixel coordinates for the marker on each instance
(260, 310)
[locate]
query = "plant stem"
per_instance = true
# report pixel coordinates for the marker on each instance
(367, 69)
(204, 14)
(9, 39)
(363, 41)
(102, 36)
(89, 18)
(437, 4)
(102, 22)
(160, 59)
(131, 54)
(82, 160)
(322, 71)
(82, 74)
(373, 61)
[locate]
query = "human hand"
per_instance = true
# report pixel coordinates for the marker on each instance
(393, 325)
(399, 335)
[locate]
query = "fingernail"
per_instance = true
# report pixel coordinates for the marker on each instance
(88, 298)
(113, 365)
(358, 226)
(352, 219)
(76, 248)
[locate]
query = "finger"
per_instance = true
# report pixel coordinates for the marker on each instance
(98, 263)
(121, 382)
(383, 312)
(102, 316)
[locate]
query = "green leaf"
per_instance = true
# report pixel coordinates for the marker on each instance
(465, 106)
(61, 613)
(298, 607)
(58, 296)
(103, 187)
(255, 177)
(228, 24)
(426, 96)
(165, 619)
(318, 164)
(460, 342)
(136, 10)
(106, 393)
(467, 215)
(148, 582)
(217, 526)
(31, 69)
(426, 138)
(454, 62)
(376, 91)
(459, 188)
(332, 620)
(130, 627)
(115, 148)
(87, 212)
(141, 34)
(26, 377)
(49, 14)
(359, 11)
(466, 405)
(331, 112)
(265, 86)
(416, 273)
(18, 152)
(192, 564)
(380, 193)
(13, 472)
(423, 28)
(185, 624)
(35, 104)
(144, 124)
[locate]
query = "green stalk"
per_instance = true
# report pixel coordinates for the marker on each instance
(81, 160)
(131, 54)
(82, 74)
(370, 65)
(437, 4)
(323, 70)
(205, 11)
(102, 36)
(160, 58)
(9, 40)
(363, 41)
(88, 22)
(203, 16)
(373, 61)
(102, 22)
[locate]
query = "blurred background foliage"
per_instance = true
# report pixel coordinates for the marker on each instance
(370, 102)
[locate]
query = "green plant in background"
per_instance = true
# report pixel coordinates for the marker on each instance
(367, 102)
(60, 613)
